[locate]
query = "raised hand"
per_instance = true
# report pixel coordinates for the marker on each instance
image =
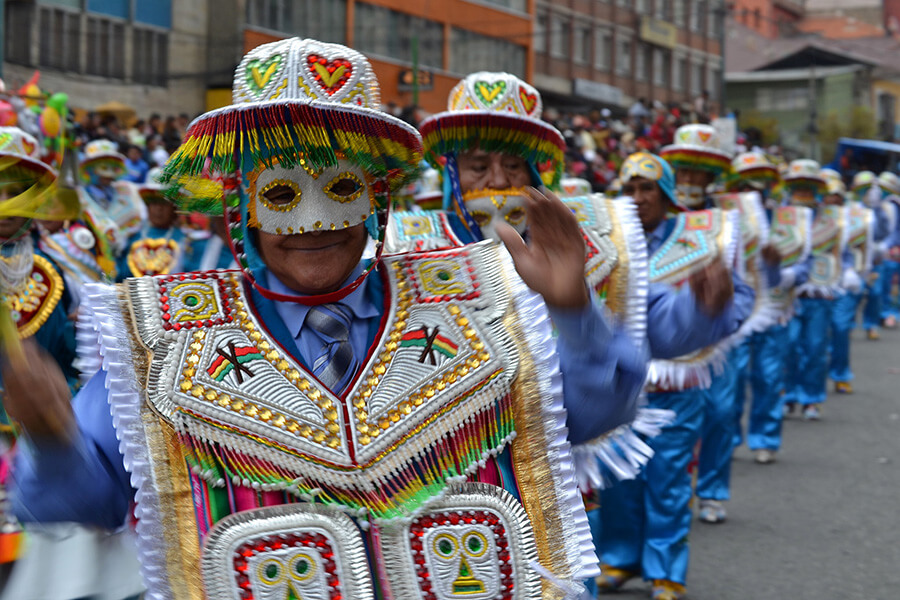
(36, 393)
(771, 256)
(552, 262)
(712, 287)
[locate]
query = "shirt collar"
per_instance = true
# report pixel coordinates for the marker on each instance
(294, 314)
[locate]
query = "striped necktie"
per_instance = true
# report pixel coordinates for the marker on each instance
(336, 363)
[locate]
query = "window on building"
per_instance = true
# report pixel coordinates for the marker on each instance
(519, 5)
(59, 39)
(678, 12)
(105, 41)
(714, 18)
(623, 54)
(324, 20)
(18, 19)
(678, 75)
(794, 98)
(697, 15)
(713, 82)
(582, 50)
(111, 8)
(641, 7)
(662, 9)
(623, 3)
(540, 31)
(153, 12)
(150, 57)
(640, 62)
(559, 36)
(660, 67)
(696, 78)
(405, 30)
(470, 51)
(602, 49)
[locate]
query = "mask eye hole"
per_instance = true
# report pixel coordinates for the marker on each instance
(516, 216)
(480, 217)
(281, 195)
(346, 187)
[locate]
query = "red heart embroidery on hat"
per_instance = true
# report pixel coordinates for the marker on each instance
(28, 146)
(331, 75)
(704, 135)
(529, 101)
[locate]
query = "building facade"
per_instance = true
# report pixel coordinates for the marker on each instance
(148, 54)
(608, 53)
(447, 39)
(769, 18)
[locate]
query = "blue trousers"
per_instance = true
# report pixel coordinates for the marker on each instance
(843, 320)
(889, 304)
(767, 352)
(872, 309)
(644, 523)
(810, 369)
(717, 434)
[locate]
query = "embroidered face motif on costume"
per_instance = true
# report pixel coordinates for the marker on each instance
(288, 201)
(463, 561)
(491, 207)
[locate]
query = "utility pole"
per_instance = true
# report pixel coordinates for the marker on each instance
(813, 128)
(415, 66)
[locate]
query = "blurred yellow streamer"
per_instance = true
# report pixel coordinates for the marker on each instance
(44, 200)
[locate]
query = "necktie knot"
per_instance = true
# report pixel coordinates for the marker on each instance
(336, 363)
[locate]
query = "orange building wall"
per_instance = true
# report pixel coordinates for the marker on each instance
(452, 13)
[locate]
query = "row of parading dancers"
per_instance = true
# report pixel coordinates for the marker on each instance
(395, 405)
(807, 250)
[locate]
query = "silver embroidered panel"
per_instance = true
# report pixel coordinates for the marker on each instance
(298, 551)
(476, 543)
(602, 256)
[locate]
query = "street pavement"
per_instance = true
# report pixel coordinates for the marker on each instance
(823, 522)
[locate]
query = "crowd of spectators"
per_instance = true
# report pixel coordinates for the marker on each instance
(598, 142)
(146, 144)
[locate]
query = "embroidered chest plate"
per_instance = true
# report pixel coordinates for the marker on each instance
(33, 301)
(827, 246)
(602, 256)
(416, 231)
(444, 361)
(152, 256)
(791, 228)
(697, 239)
(754, 225)
(860, 235)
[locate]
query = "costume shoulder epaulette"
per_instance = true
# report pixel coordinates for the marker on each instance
(417, 231)
(34, 300)
(697, 238)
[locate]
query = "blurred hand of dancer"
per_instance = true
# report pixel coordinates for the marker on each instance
(713, 287)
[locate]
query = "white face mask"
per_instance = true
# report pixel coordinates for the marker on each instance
(691, 196)
(288, 201)
(491, 207)
(873, 197)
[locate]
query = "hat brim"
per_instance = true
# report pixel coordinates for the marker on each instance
(242, 137)
(32, 164)
(459, 131)
(694, 157)
(792, 182)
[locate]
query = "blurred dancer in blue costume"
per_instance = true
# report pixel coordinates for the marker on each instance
(645, 523)
(866, 190)
(762, 356)
(485, 195)
(159, 246)
(861, 235)
(381, 419)
(210, 251)
(889, 269)
(38, 302)
(112, 207)
(805, 186)
(698, 161)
